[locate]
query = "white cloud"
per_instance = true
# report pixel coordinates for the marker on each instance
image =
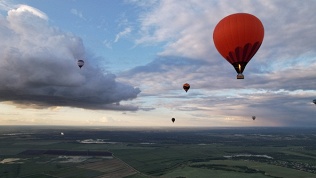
(77, 13)
(5, 5)
(107, 44)
(121, 34)
(25, 10)
(187, 26)
(285, 61)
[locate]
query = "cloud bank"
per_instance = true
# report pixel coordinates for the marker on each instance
(279, 82)
(38, 67)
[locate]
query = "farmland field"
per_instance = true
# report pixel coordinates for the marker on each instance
(165, 152)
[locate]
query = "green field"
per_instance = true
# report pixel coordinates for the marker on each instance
(143, 154)
(206, 161)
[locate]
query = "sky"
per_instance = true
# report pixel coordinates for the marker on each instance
(139, 53)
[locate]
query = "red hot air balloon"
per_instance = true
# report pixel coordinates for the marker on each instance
(237, 38)
(186, 87)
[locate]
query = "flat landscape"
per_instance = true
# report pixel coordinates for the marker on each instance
(99, 152)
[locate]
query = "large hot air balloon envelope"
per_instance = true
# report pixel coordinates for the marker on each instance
(173, 119)
(186, 87)
(237, 38)
(253, 117)
(314, 101)
(80, 63)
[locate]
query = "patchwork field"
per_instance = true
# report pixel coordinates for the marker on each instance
(111, 168)
(89, 153)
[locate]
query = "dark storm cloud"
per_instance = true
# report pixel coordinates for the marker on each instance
(38, 67)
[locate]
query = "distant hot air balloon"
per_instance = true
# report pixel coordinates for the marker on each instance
(237, 38)
(80, 63)
(314, 101)
(253, 117)
(173, 119)
(186, 87)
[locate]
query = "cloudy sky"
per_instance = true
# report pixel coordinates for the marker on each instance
(139, 53)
